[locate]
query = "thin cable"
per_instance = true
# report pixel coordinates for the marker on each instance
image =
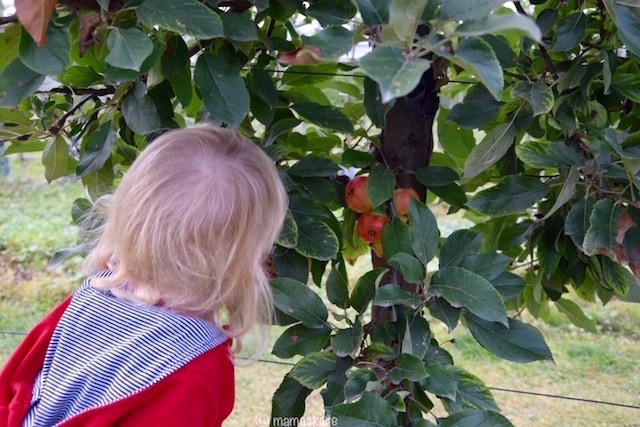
(557, 396)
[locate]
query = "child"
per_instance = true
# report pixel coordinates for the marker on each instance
(176, 273)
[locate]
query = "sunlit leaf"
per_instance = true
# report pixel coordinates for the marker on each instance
(128, 49)
(396, 73)
(492, 148)
(538, 94)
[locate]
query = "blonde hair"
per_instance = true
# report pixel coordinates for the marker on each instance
(190, 226)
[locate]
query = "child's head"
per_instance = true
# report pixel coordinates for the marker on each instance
(190, 225)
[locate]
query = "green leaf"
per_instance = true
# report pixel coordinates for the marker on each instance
(222, 88)
(96, 149)
(488, 266)
(390, 295)
(478, 108)
(425, 235)
(128, 49)
(316, 239)
(314, 166)
(494, 23)
(396, 73)
(347, 341)
(380, 185)
(569, 33)
(404, 18)
(459, 245)
(463, 288)
(17, 82)
(188, 17)
(490, 150)
(331, 12)
(513, 194)
(358, 381)
(373, 12)
(476, 56)
(441, 380)
(475, 418)
(77, 76)
(408, 367)
(365, 289)
(370, 410)
(627, 85)
(577, 221)
(508, 284)
(338, 287)
(333, 41)
(436, 176)
(455, 10)
(614, 277)
(538, 94)
(289, 234)
(28, 146)
(300, 340)
(324, 116)
(396, 238)
(55, 158)
(52, 58)
(543, 154)
(575, 314)
(472, 393)
(442, 310)
(566, 194)
(295, 299)
(627, 23)
(288, 401)
(417, 336)
(139, 111)
(238, 27)
(413, 271)
(313, 369)
(601, 234)
(517, 342)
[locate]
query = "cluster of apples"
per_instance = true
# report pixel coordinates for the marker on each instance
(369, 224)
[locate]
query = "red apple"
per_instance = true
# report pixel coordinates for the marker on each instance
(402, 200)
(356, 196)
(369, 226)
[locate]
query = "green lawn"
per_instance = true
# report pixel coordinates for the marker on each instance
(34, 222)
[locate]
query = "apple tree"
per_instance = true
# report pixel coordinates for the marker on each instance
(521, 116)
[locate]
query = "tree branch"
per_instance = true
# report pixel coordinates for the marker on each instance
(543, 50)
(8, 19)
(53, 130)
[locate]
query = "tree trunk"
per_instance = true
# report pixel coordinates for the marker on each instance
(406, 146)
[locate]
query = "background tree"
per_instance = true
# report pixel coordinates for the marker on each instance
(536, 123)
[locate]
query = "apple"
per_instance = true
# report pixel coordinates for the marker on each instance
(402, 200)
(369, 226)
(355, 194)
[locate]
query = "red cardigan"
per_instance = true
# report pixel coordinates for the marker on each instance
(187, 397)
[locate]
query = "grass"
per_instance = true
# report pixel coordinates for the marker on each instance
(34, 222)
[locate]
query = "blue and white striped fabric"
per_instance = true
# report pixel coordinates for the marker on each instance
(105, 349)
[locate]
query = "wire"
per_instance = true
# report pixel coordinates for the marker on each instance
(558, 396)
(505, 390)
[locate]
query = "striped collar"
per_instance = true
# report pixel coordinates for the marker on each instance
(105, 349)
